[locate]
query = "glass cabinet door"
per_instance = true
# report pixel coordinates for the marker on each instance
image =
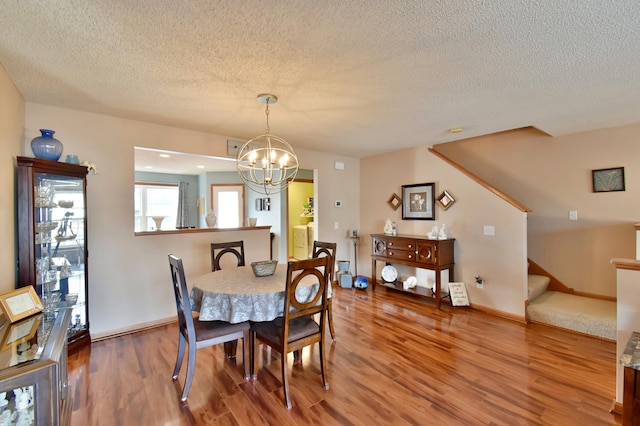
(57, 252)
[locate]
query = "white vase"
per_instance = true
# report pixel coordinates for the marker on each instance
(211, 219)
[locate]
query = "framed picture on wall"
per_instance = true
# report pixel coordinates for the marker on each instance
(418, 201)
(395, 201)
(446, 200)
(608, 180)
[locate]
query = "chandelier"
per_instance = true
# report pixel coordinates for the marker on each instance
(267, 163)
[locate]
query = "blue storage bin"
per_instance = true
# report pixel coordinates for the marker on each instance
(346, 279)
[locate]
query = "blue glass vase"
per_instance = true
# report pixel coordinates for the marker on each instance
(46, 146)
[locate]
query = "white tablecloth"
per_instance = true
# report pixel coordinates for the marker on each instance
(236, 294)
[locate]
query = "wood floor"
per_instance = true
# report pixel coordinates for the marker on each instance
(396, 361)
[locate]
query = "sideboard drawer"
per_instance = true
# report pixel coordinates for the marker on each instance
(401, 244)
(401, 254)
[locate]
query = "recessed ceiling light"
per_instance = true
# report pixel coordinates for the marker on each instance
(165, 155)
(455, 129)
(148, 167)
(200, 167)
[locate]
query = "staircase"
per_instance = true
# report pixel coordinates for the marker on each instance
(558, 308)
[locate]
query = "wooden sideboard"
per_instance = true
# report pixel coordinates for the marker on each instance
(417, 251)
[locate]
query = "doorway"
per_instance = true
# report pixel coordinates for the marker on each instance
(300, 218)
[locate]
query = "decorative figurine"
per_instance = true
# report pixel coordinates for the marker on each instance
(23, 398)
(410, 283)
(388, 227)
(442, 234)
(434, 233)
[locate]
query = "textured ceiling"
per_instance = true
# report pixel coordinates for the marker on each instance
(353, 77)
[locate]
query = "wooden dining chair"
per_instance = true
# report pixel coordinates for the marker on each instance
(220, 249)
(297, 328)
(200, 334)
(327, 249)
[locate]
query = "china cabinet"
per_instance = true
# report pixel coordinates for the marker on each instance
(34, 387)
(52, 239)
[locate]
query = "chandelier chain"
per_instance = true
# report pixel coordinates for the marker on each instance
(266, 112)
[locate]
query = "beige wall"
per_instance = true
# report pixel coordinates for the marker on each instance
(500, 259)
(128, 275)
(12, 115)
(552, 176)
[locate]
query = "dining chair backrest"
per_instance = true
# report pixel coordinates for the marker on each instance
(297, 327)
(326, 249)
(180, 292)
(218, 250)
(296, 272)
(329, 250)
(195, 335)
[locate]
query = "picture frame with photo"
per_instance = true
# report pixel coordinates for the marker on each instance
(21, 303)
(418, 201)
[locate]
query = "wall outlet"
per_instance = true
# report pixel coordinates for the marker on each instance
(489, 230)
(573, 215)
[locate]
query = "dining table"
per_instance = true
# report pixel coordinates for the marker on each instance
(236, 295)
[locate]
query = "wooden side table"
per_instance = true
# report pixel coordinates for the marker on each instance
(417, 251)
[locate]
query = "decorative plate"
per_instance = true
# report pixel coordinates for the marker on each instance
(389, 274)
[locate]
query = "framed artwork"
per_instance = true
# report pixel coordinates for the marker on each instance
(21, 303)
(395, 201)
(445, 200)
(263, 204)
(418, 201)
(608, 180)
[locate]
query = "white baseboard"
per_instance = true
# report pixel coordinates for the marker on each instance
(133, 329)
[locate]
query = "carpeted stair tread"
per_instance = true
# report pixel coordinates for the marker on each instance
(537, 284)
(583, 314)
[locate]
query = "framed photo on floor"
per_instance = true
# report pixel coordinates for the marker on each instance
(418, 201)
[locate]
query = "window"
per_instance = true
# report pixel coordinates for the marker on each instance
(228, 204)
(155, 200)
